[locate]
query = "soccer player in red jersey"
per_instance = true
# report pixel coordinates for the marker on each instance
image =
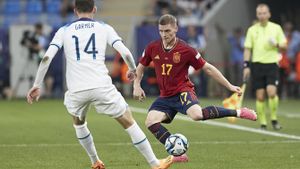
(172, 58)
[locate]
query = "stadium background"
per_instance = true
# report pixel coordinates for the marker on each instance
(135, 21)
(41, 136)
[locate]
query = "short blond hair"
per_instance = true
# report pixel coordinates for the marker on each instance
(167, 19)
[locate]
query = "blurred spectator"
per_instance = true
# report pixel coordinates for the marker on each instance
(284, 63)
(236, 42)
(150, 82)
(189, 18)
(36, 43)
(154, 9)
(5, 89)
(190, 5)
(175, 9)
(119, 77)
(294, 41)
(67, 8)
(197, 41)
(290, 63)
(160, 6)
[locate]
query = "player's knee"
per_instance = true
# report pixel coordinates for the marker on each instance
(149, 122)
(261, 99)
(272, 94)
(78, 121)
(196, 116)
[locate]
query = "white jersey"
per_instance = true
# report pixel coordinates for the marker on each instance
(84, 43)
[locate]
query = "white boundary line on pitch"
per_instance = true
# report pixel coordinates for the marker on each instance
(231, 126)
(156, 143)
(289, 115)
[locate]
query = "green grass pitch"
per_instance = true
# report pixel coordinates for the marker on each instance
(41, 136)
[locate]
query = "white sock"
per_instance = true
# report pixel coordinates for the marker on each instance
(238, 113)
(141, 142)
(86, 140)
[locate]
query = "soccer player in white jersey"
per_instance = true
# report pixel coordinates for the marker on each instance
(88, 82)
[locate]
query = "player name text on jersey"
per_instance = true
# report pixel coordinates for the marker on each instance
(84, 25)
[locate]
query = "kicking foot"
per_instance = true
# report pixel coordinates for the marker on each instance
(180, 159)
(165, 163)
(98, 165)
(246, 113)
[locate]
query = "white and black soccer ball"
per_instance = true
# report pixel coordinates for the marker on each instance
(176, 144)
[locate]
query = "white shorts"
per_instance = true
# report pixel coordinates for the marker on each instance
(106, 100)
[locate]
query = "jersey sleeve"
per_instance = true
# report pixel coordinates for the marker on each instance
(248, 40)
(280, 36)
(196, 60)
(58, 38)
(146, 57)
(112, 37)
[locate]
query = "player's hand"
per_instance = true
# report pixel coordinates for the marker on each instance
(272, 42)
(246, 74)
(236, 89)
(33, 94)
(139, 94)
(131, 75)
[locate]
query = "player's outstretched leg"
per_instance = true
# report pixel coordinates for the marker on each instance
(213, 112)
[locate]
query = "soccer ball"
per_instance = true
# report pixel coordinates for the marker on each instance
(176, 144)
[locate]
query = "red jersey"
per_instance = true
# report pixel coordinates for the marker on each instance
(171, 66)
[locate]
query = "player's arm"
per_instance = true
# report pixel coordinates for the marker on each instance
(248, 46)
(34, 92)
(126, 55)
(282, 44)
(116, 42)
(138, 92)
(128, 58)
(218, 76)
(55, 45)
(247, 57)
(139, 75)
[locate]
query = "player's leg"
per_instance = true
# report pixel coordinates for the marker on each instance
(272, 82)
(153, 123)
(273, 105)
(85, 138)
(139, 139)
(213, 112)
(163, 110)
(259, 75)
(77, 105)
(109, 101)
(189, 105)
(261, 108)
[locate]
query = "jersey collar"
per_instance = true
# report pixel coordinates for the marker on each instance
(84, 19)
(168, 50)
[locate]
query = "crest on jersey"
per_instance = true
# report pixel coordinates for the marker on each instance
(157, 57)
(176, 57)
